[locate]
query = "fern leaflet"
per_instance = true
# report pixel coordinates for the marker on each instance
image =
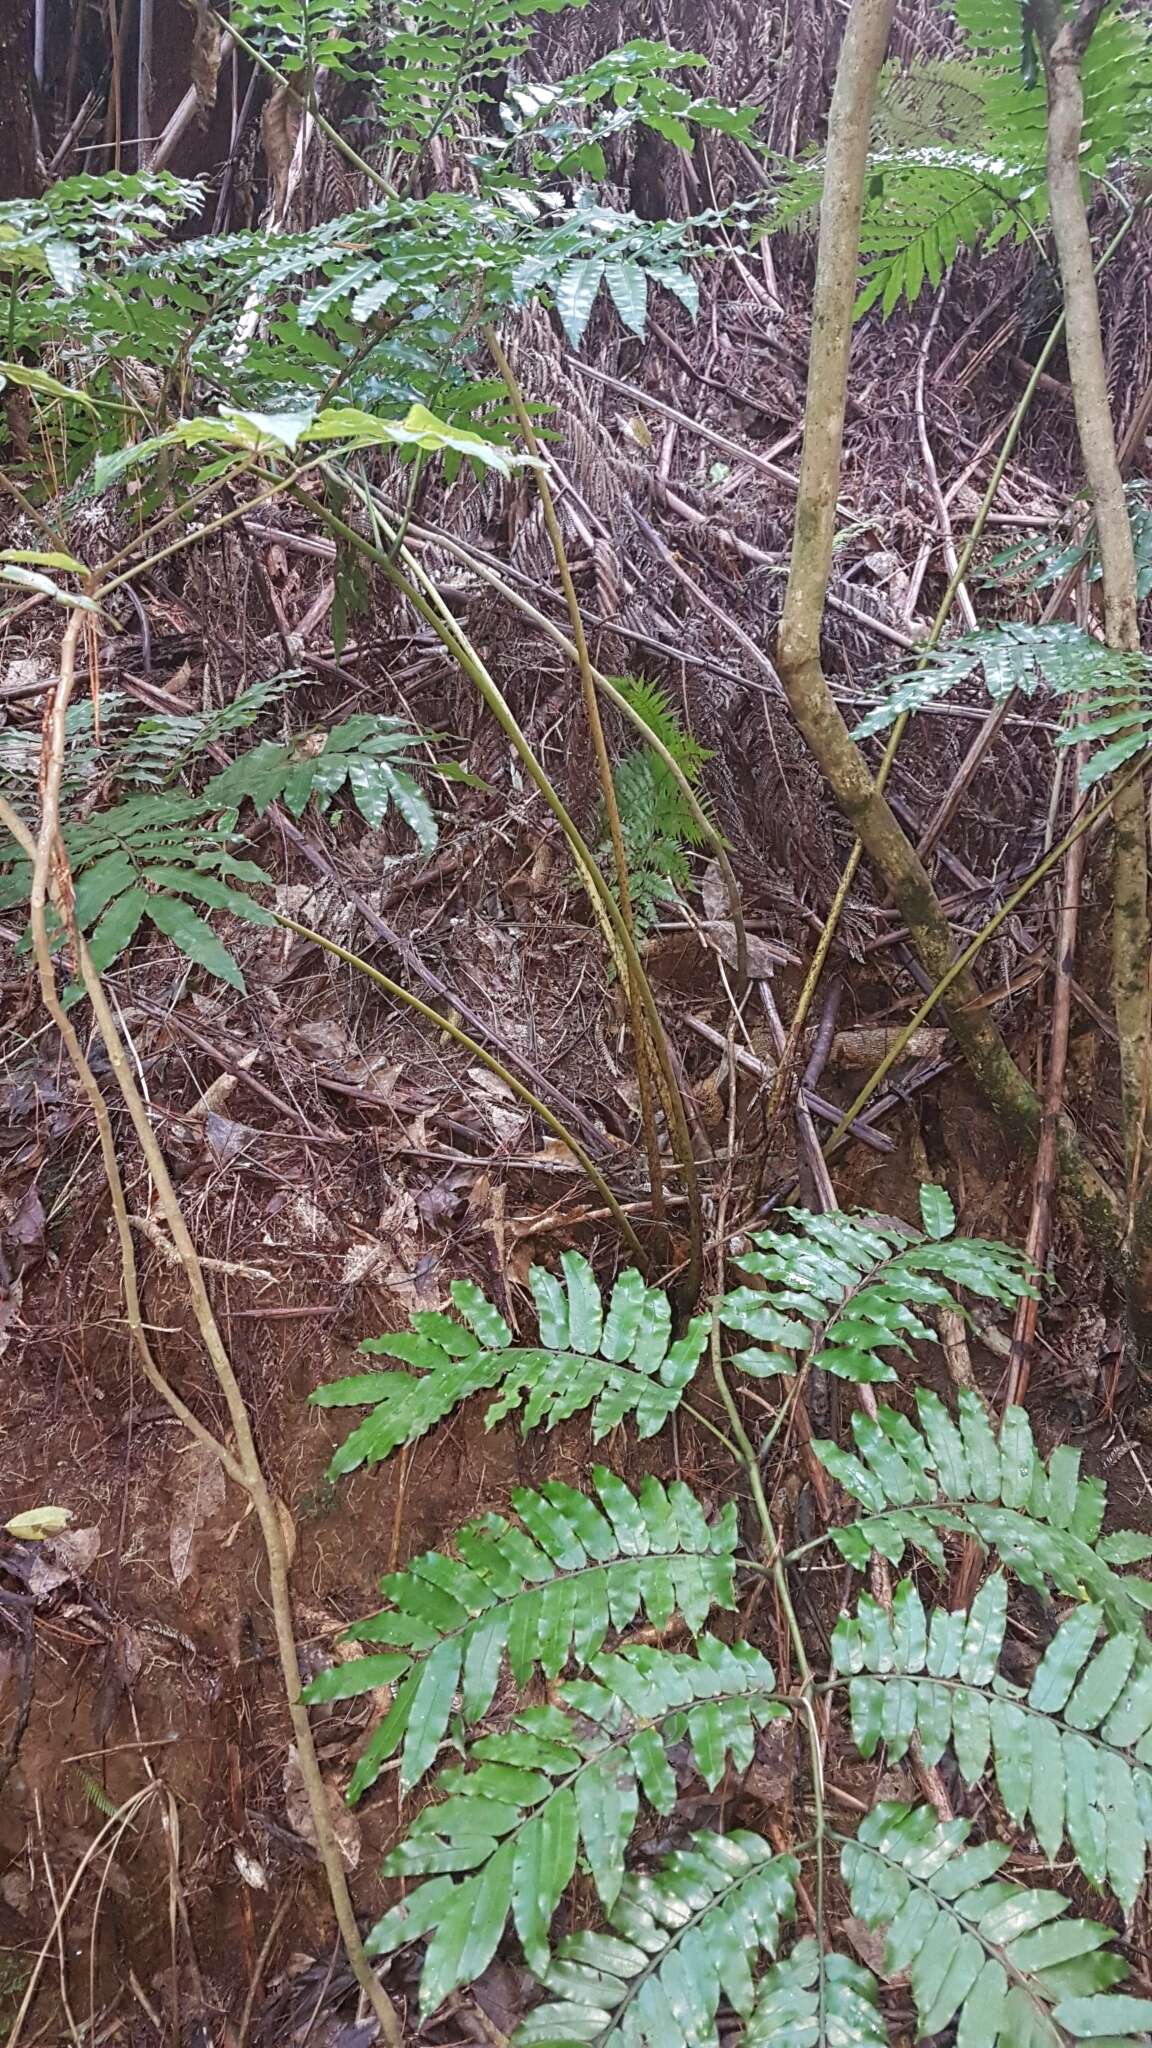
(958, 1477)
(1067, 1751)
(1007, 1965)
(682, 1938)
(842, 1289)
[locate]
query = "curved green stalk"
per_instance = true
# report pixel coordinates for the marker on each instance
(436, 613)
(604, 774)
(776, 1565)
(709, 831)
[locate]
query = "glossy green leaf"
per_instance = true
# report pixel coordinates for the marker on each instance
(180, 923)
(628, 290)
(576, 296)
(936, 1209)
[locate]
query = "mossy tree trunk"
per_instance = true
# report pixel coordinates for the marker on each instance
(799, 654)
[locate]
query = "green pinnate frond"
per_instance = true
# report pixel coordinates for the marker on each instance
(160, 858)
(958, 155)
(655, 707)
(618, 1361)
(1042, 560)
(1004, 1964)
(658, 827)
(140, 753)
(1117, 74)
(954, 1476)
(1069, 1754)
(839, 1291)
(795, 1992)
(683, 1937)
(1112, 689)
(163, 856)
(926, 205)
(367, 755)
(504, 1834)
(533, 1594)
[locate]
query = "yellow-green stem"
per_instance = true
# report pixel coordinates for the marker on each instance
(447, 629)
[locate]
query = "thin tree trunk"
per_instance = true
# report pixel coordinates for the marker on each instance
(1063, 43)
(798, 654)
(144, 84)
(21, 168)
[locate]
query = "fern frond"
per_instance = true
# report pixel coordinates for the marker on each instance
(683, 1937)
(958, 156)
(1068, 1752)
(506, 1833)
(1113, 687)
(139, 753)
(840, 1289)
(817, 1999)
(1041, 560)
(166, 742)
(654, 705)
(539, 1591)
(657, 825)
(154, 858)
(1007, 1965)
(620, 1362)
(161, 854)
(367, 753)
(927, 204)
(957, 1477)
(1117, 72)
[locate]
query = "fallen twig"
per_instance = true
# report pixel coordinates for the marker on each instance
(764, 1071)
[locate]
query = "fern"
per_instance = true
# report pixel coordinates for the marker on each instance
(1006, 1964)
(1112, 689)
(307, 35)
(1067, 1751)
(509, 1825)
(549, 1587)
(840, 1290)
(816, 1999)
(558, 1787)
(153, 858)
(682, 1938)
(140, 753)
(657, 823)
(366, 754)
(958, 149)
(379, 295)
(617, 1363)
(44, 243)
(958, 1477)
(690, 1934)
(1041, 564)
(162, 856)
